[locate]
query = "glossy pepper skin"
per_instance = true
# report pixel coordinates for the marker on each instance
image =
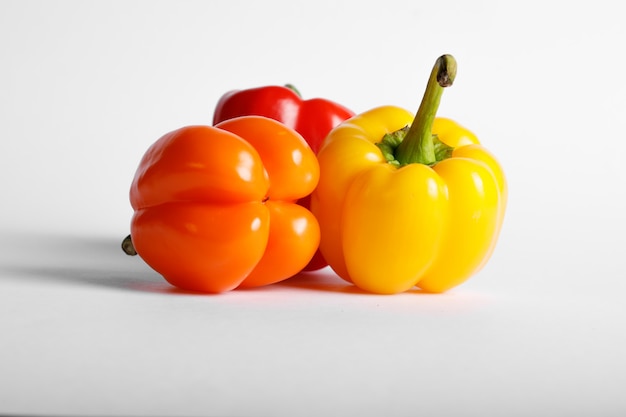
(312, 118)
(215, 207)
(389, 225)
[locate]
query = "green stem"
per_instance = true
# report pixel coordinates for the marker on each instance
(294, 89)
(417, 146)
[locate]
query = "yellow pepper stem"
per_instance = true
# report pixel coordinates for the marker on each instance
(417, 146)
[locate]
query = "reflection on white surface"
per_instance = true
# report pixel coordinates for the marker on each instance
(88, 329)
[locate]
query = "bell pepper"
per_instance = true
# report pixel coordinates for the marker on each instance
(312, 118)
(215, 207)
(408, 201)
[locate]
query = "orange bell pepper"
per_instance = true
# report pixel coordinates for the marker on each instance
(215, 207)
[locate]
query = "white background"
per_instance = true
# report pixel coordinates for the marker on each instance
(86, 87)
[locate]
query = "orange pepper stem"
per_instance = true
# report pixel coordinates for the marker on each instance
(128, 247)
(417, 146)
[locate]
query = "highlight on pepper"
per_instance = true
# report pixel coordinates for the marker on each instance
(215, 206)
(406, 201)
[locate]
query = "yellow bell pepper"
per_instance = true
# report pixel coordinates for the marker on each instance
(408, 201)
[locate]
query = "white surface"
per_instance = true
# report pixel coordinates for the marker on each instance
(86, 87)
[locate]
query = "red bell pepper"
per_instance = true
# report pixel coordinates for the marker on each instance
(313, 119)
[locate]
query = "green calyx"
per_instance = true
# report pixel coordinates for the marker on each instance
(391, 141)
(416, 143)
